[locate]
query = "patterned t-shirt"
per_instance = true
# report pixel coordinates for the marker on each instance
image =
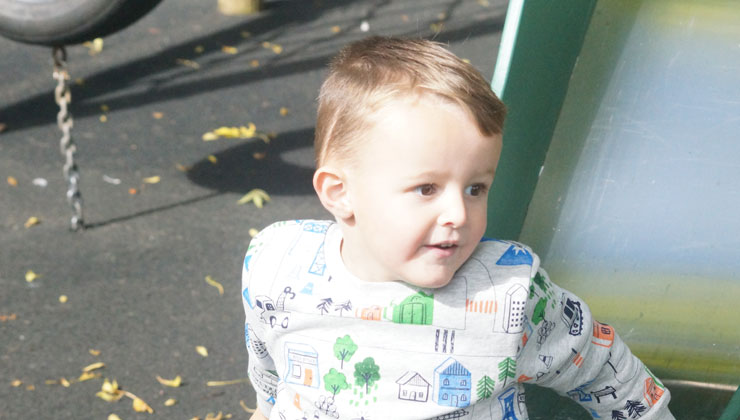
(324, 344)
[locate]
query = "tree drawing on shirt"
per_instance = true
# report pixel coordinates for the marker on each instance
(366, 373)
(484, 388)
(335, 381)
(618, 415)
(324, 306)
(507, 369)
(341, 307)
(539, 311)
(344, 349)
(634, 408)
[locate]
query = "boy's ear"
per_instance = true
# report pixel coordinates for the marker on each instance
(331, 187)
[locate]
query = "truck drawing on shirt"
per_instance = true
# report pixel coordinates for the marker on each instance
(274, 313)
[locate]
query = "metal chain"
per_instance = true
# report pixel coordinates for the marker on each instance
(63, 98)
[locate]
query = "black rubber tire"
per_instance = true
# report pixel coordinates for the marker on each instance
(67, 22)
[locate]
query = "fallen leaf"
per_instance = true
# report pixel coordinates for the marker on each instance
(202, 351)
(157, 115)
(30, 388)
(104, 108)
(103, 118)
(336, 29)
(63, 299)
(259, 155)
(3, 126)
(174, 383)
(32, 221)
(257, 195)
(140, 406)
(254, 63)
(215, 284)
(152, 180)
(198, 49)
(253, 232)
(170, 402)
(247, 409)
(405, 18)
(95, 46)
(283, 111)
(86, 376)
(79, 81)
(113, 417)
(65, 383)
(213, 159)
(16, 383)
(224, 383)
(12, 181)
(94, 366)
(210, 136)
(132, 191)
(484, 3)
(94, 352)
(51, 382)
(182, 168)
(246, 34)
(229, 50)
(10, 317)
(437, 27)
(110, 397)
(111, 180)
(277, 49)
(188, 63)
(31, 276)
(212, 416)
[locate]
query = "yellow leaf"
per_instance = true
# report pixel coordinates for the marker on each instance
(140, 406)
(31, 276)
(94, 352)
(212, 416)
(32, 221)
(94, 366)
(86, 376)
(254, 63)
(64, 382)
(202, 351)
(104, 108)
(113, 417)
(157, 115)
(246, 34)
(12, 181)
(277, 49)
(247, 409)
(229, 50)
(170, 402)
(152, 180)
(16, 383)
(109, 397)
(63, 299)
(95, 46)
(210, 136)
(188, 63)
(198, 49)
(181, 167)
(224, 383)
(174, 383)
(253, 232)
(103, 118)
(283, 111)
(266, 44)
(257, 196)
(109, 387)
(51, 382)
(30, 387)
(213, 159)
(215, 284)
(229, 132)
(336, 29)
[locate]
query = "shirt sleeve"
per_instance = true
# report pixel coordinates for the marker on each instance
(260, 367)
(585, 360)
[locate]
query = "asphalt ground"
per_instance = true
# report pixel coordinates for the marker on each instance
(134, 280)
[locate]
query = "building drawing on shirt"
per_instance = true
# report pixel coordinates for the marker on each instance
(301, 365)
(416, 309)
(258, 346)
(572, 315)
(452, 384)
(516, 300)
(413, 387)
(266, 381)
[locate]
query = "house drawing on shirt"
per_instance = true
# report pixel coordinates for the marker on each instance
(302, 365)
(415, 309)
(506, 399)
(412, 387)
(452, 384)
(516, 300)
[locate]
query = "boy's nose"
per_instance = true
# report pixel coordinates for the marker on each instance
(454, 212)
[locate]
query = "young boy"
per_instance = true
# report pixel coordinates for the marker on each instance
(398, 309)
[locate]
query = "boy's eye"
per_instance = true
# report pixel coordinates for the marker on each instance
(426, 189)
(475, 190)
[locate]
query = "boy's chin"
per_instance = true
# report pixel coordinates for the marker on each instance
(432, 282)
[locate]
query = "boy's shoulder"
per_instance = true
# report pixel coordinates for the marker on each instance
(286, 234)
(504, 254)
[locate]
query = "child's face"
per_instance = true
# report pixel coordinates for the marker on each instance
(418, 192)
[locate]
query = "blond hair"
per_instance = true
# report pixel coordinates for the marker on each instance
(367, 74)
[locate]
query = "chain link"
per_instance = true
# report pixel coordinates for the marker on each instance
(63, 98)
